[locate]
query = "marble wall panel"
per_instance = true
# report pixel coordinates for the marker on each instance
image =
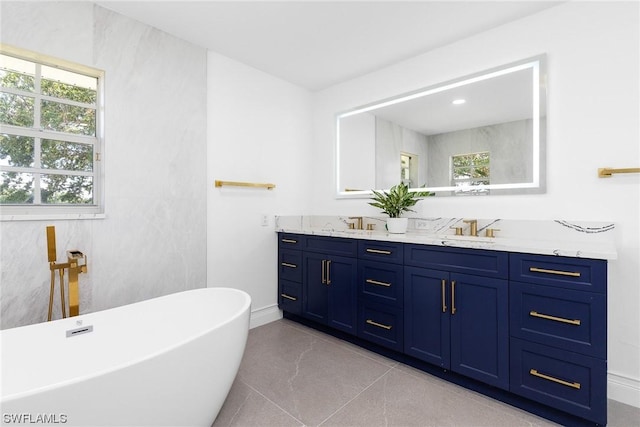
(153, 239)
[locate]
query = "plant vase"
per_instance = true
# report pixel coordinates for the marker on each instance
(397, 225)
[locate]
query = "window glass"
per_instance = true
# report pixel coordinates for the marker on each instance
(49, 128)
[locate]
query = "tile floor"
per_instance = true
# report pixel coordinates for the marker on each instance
(292, 375)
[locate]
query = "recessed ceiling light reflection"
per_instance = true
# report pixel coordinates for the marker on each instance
(459, 101)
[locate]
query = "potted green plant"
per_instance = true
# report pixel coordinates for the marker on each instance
(395, 202)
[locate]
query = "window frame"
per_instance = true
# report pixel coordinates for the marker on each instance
(33, 211)
(466, 186)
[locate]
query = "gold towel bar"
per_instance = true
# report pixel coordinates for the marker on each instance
(244, 184)
(607, 172)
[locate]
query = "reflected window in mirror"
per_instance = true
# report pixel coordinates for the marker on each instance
(471, 173)
(408, 169)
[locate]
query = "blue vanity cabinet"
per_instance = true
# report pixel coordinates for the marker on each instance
(380, 293)
(559, 333)
(329, 277)
(458, 321)
(290, 272)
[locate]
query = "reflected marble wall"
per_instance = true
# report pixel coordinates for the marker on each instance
(509, 145)
(392, 140)
(153, 240)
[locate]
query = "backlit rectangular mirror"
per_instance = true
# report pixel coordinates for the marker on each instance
(482, 134)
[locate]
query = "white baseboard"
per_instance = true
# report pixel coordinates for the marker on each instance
(264, 315)
(623, 389)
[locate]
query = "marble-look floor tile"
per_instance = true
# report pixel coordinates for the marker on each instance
(621, 415)
(292, 375)
(246, 407)
(308, 377)
(402, 399)
(347, 345)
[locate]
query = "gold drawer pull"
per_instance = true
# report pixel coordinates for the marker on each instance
(554, 318)
(444, 304)
(561, 273)
(535, 373)
(286, 264)
(289, 241)
(379, 325)
(453, 297)
(378, 251)
(289, 297)
(375, 282)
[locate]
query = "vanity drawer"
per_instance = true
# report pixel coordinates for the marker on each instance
(470, 261)
(290, 241)
(568, 381)
(381, 282)
(290, 265)
(381, 251)
(290, 297)
(381, 324)
(571, 273)
(331, 245)
(563, 318)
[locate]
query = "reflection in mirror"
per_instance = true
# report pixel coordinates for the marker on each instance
(478, 135)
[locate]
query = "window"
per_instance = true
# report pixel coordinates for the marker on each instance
(50, 130)
(409, 169)
(469, 171)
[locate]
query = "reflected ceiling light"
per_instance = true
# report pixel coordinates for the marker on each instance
(459, 101)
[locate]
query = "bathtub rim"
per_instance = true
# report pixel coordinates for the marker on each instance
(246, 307)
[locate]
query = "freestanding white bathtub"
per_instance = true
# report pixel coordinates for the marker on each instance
(165, 361)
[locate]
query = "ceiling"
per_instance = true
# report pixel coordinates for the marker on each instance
(319, 44)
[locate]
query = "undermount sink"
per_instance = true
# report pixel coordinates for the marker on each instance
(468, 238)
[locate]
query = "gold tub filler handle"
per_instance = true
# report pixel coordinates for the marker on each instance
(75, 268)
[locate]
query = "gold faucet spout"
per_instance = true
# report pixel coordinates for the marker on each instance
(473, 227)
(358, 223)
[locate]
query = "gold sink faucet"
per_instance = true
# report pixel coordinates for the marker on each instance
(358, 223)
(473, 227)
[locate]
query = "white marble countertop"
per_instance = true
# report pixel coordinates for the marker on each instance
(581, 247)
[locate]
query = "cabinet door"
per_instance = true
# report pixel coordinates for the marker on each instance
(479, 328)
(426, 315)
(341, 275)
(315, 290)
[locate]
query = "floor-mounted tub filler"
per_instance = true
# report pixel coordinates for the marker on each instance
(166, 361)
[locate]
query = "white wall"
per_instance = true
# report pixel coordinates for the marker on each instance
(593, 121)
(259, 130)
(152, 241)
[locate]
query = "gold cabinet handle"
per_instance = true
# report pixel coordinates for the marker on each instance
(554, 318)
(324, 269)
(558, 272)
(289, 297)
(453, 297)
(289, 241)
(444, 304)
(535, 373)
(379, 325)
(286, 264)
(375, 282)
(378, 251)
(328, 272)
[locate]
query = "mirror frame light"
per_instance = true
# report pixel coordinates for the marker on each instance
(539, 76)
